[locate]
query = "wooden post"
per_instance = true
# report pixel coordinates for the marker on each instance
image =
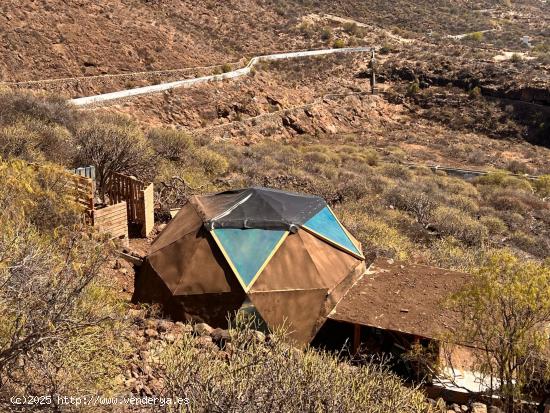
(372, 65)
(356, 338)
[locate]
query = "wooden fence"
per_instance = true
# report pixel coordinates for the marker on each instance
(83, 188)
(112, 220)
(138, 197)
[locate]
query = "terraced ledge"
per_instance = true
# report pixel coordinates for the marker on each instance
(147, 90)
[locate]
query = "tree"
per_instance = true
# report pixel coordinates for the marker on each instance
(113, 144)
(505, 314)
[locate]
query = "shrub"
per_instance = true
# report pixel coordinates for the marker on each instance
(413, 88)
(17, 141)
(385, 49)
(317, 157)
(504, 311)
(516, 58)
(39, 196)
(395, 171)
(417, 203)
(475, 92)
(448, 252)
(352, 29)
(339, 44)
(226, 67)
(529, 243)
(16, 105)
(475, 36)
(212, 162)
(60, 319)
(113, 144)
(518, 167)
(35, 141)
(171, 144)
(376, 235)
(494, 225)
(326, 34)
(257, 376)
(542, 186)
(463, 203)
(454, 222)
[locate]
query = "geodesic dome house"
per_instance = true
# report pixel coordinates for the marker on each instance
(284, 253)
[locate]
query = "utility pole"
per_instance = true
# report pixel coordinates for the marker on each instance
(372, 66)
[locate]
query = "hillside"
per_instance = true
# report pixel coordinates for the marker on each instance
(56, 39)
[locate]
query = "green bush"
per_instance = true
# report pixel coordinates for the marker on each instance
(171, 144)
(454, 222)
(212, 162)
(413, 88)
(494, 225)
(339, 44)
(448, 252)
(226, 67)
(475, 92)
(60, 317)
(464, 203)
(419, 204)
(475, 36)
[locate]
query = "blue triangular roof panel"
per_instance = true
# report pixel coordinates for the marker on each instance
(327, 226)
(248, 250)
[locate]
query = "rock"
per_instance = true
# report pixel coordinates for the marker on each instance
(202, 329)
(164, 325)
(219, 335)
(494, 409)
(479, 408)
(169, 338)
(456, 408)
(205, 342)
(463, 408)
(179, 327)
(151, 333)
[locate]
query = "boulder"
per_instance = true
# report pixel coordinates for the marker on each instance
(202, 329)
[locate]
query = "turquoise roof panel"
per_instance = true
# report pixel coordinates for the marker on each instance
(248, 250)
(327, 226)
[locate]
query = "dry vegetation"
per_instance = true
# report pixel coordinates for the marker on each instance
(248, 373)
(406, 213)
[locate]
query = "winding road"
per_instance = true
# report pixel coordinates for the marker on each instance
(146, 90)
